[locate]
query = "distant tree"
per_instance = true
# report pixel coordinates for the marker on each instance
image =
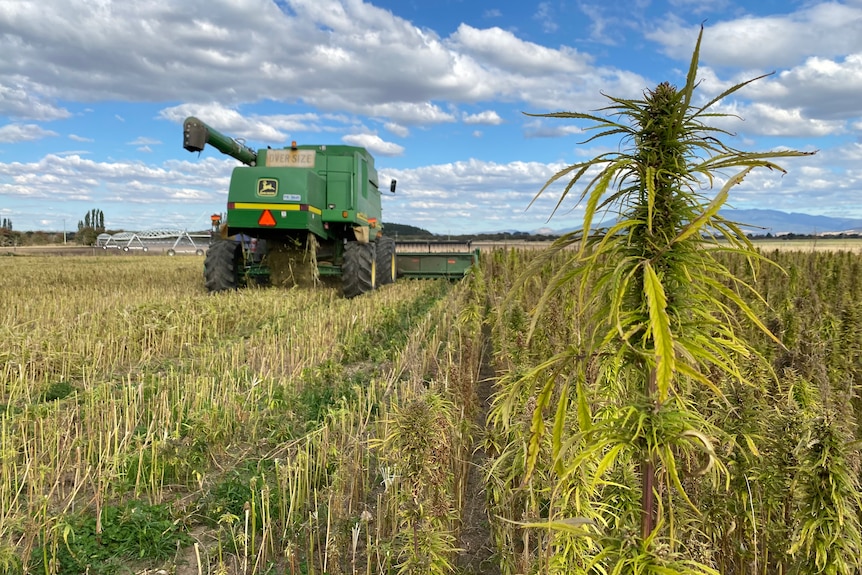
(37, 238)
(6, 236)
(97, 219)
(90, 227)
(405, 231)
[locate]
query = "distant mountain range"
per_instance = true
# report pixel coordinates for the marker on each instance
(779, 223)
(776, 223)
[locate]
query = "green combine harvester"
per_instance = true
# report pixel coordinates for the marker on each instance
(303, 214)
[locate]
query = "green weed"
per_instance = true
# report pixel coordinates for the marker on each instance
(131, 531)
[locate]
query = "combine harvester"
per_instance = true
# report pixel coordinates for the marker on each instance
(304, 213)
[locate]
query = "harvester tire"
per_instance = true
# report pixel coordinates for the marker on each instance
(386, 268)
(221, 265)
(358, 272)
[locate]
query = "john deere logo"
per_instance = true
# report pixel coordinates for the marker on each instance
(267, 187)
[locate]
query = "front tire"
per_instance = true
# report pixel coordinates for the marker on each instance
(359, 269)
(221, 266)
(386, 267)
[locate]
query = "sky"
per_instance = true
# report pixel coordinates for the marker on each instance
(93, 94)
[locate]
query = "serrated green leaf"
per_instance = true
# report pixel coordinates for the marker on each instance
(660, 330)
(559, 426)
(537, 429)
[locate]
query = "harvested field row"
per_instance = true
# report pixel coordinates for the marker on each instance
(145, 424)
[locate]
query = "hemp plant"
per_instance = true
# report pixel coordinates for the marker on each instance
(659, 306)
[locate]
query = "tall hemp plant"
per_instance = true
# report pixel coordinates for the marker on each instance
(661, 309)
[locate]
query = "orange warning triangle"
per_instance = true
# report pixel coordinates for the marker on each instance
(266, 219)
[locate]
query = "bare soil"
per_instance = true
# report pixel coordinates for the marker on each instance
(476, 555)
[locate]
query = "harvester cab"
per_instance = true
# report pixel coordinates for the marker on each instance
(303, 214)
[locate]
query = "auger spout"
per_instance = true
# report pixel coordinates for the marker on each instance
(197, 134)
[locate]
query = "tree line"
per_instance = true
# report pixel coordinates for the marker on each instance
(89, 228)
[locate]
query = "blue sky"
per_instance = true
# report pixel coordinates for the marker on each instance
(93, 94)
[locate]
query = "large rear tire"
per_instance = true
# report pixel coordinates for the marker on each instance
(222, 265)
(359, 269)
(386, 268)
